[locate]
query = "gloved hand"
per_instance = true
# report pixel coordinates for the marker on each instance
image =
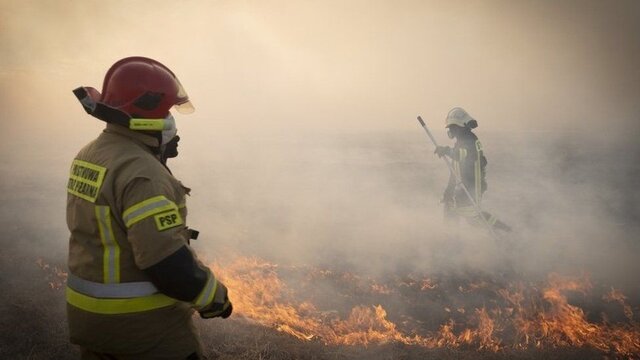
(442, 151)
(222, 310)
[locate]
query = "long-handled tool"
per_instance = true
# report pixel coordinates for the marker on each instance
(460, 183)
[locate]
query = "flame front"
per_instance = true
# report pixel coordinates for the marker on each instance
(525, 315)
(518, 316)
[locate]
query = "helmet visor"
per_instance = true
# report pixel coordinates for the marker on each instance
(183, 105)
(185, 108)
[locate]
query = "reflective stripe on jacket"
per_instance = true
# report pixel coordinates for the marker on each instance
(126, 212)
(469, 164)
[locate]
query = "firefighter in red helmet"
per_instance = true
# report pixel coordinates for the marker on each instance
(134, 281)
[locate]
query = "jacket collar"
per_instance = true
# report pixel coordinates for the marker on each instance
(145, 139)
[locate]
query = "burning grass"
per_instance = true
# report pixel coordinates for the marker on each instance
(474, 313)
(299, 312)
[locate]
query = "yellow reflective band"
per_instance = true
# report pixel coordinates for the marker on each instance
(466, 211)
(117, 306)
(146, 208)
(111, 254)
(207, 293)
(456, 170)
(478, 180)
(85, 180)
(478, 173)
(463, 154)
(168, 220)
(146, 124)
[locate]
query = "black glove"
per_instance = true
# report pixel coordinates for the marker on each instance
(227, 312)
(217, 310)
(442, 151)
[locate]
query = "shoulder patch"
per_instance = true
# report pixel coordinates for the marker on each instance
(168, 220)
(85, 180)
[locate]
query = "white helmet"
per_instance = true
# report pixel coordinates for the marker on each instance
(457, 116)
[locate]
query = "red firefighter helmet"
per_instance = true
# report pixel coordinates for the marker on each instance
(143, 88)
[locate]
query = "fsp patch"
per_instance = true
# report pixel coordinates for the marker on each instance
(85, 179)
(168, 220)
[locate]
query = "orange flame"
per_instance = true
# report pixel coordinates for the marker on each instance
(530, 317)
(617, 296)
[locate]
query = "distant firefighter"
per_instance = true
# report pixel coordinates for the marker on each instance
(134, 282)
(469, 165)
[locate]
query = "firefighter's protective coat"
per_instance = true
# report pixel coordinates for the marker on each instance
(126, 212)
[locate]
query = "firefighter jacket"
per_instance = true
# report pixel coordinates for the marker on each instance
(125, 213)
(469, 165)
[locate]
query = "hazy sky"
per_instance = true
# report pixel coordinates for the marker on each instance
(285, 66)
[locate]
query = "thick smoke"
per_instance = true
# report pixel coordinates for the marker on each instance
(371, 201)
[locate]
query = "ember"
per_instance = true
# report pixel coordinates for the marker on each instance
(55, 276)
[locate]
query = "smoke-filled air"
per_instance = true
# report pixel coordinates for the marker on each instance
(315, 189)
